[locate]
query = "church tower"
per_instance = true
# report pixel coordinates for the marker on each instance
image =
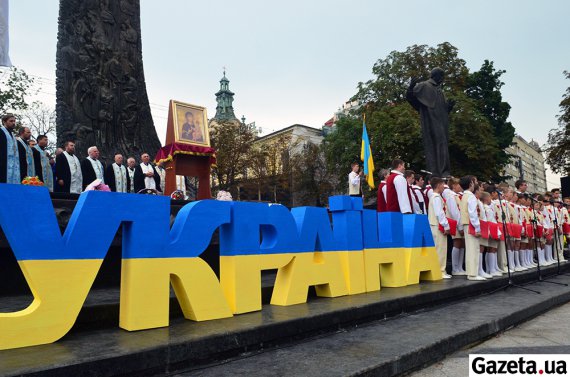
(225, 99)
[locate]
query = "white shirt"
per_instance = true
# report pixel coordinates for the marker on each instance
(559, 215)
(353, 183)
(438, 209)
(472, 210)
(490, 213)
(429, 192)
(450, 198)
(98, 168)
(482, 210)
(548, 223)
(149, 182)
(417, 208)
(401, 186)
(419, 195)
(502, 206)
(520, 213)
(76, 183)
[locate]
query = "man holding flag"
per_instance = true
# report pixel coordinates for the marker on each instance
(366, 156)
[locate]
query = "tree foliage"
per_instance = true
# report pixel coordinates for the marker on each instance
(558, 145)
(478, 127)
(484, 86)
(257, 169)
(233, 141)
(312, 180)
(41, 120)
(15, 87)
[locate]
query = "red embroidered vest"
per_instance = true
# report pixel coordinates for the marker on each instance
(392, 204)
(381, 200)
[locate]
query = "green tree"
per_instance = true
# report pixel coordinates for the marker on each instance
(558, 146)
(312, 180)
(41, 120)
(394, 126)
(15, 87)
(232, 140)
(484, 86)
(257, 168)
(341, 148)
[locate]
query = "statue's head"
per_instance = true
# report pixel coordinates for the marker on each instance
(437, 75)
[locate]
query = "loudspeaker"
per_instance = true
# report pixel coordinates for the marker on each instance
(565, 182)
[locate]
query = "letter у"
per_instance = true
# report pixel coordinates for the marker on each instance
(61, 269)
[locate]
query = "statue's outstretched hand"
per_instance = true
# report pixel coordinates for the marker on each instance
(413, 82)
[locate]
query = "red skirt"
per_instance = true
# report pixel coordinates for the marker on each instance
(452, 227)
(549, 235)
(494, 231)
(539, 231)
(514, 230)
(529, 230)
(484, 229)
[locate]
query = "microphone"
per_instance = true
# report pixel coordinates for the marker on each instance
(528, 196)
(426, 172)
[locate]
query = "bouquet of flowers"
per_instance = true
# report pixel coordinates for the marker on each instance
(178, 195)
(97, 185)
(224, 196)
(32, 181)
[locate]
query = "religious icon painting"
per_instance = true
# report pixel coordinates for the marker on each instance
(190, 124)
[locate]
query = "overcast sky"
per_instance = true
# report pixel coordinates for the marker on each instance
(297, 61)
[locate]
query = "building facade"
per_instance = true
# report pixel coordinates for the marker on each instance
(527, 164)
(272, 179)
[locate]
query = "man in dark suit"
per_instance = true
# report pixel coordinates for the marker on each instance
(116, 175)
(92, 168)
(26, 154)
(146, 175)
(37, 159)
(68, 170)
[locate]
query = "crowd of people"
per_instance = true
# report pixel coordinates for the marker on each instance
(21, 157)
(491, 226)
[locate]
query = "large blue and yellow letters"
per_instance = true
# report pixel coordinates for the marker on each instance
(361, 251)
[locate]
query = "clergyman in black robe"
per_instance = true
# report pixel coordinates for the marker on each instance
(428, 99)
(140, 179)
(38, 164)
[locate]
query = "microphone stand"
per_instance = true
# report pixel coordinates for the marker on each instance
(510, 282)
(535, 239)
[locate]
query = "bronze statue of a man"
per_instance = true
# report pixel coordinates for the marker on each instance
(428, 99)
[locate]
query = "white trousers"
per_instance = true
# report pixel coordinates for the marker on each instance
(560, 246)
(502, 256)
(471, 254)
(440, 240)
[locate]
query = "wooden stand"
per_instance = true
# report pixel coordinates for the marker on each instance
(189, 166)
(185, 164)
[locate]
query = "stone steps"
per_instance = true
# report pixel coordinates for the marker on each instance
(96, 346)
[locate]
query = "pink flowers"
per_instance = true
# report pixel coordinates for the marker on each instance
(97, 185)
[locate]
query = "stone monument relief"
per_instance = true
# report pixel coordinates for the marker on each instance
(100, 84)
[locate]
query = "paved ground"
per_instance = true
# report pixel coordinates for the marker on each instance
(548, 333)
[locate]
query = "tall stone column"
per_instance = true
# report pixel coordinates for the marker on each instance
(100, 85)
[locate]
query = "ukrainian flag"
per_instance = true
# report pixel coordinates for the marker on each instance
(366, 156)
